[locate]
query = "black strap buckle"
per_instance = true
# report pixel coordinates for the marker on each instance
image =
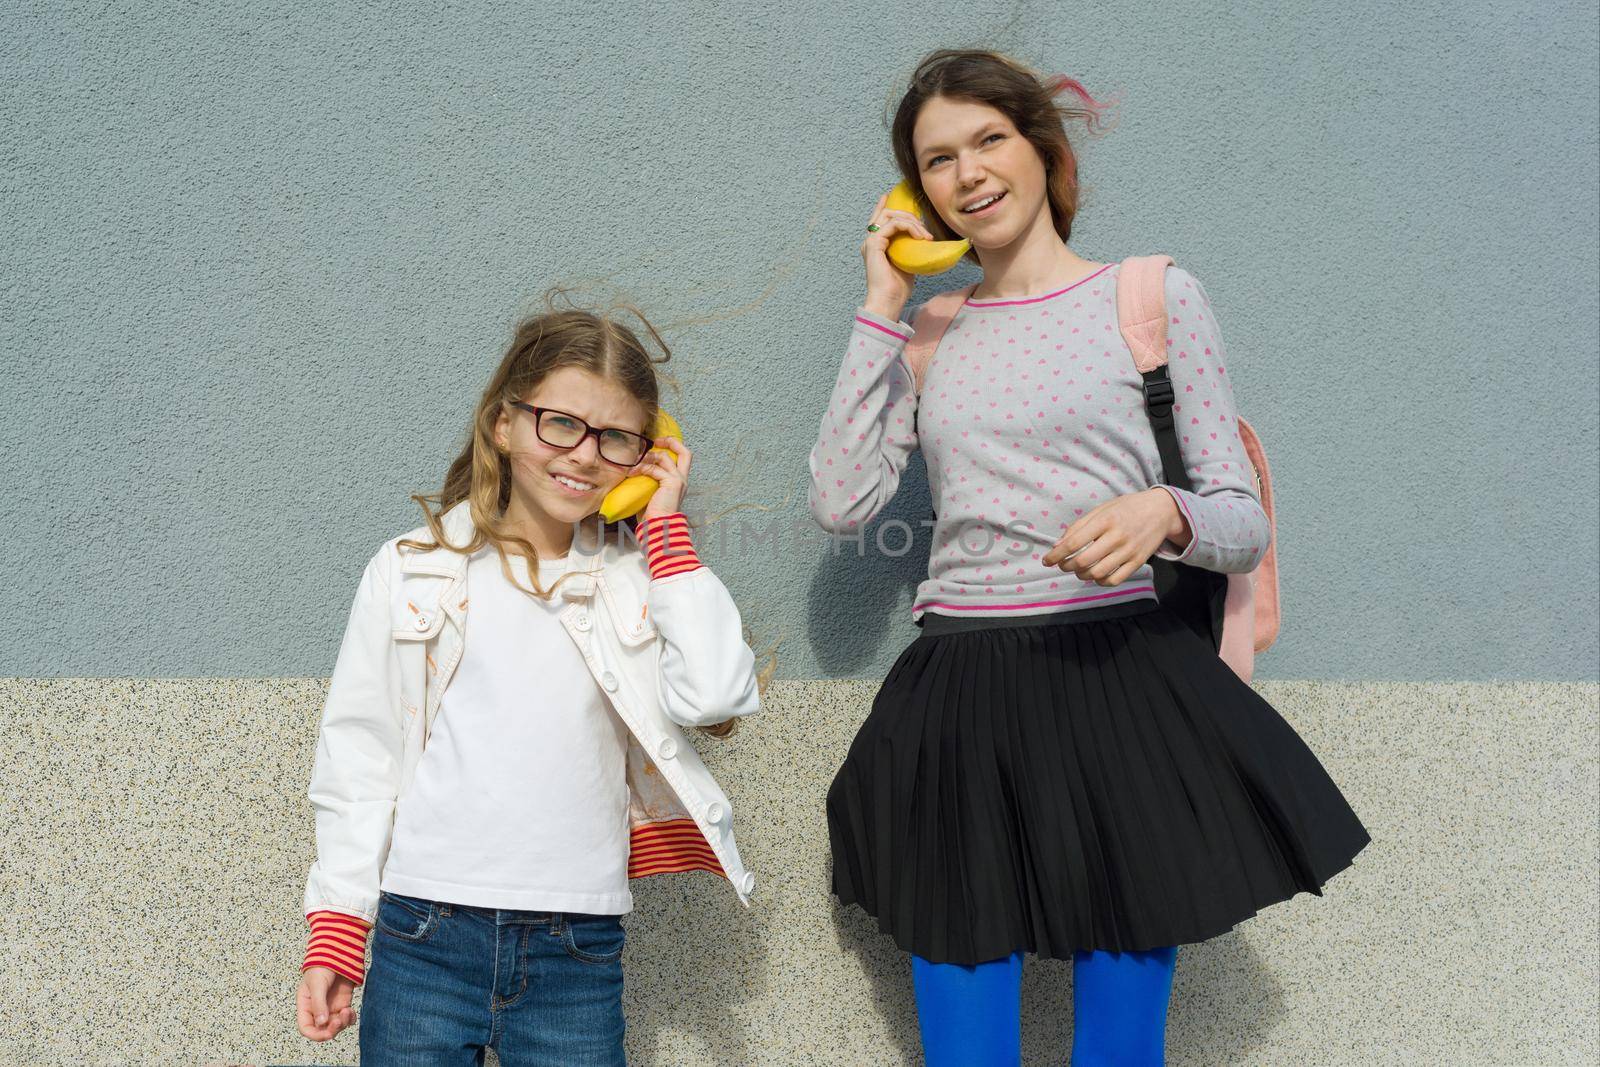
(1158, 394)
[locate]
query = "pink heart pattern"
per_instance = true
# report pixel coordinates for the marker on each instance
(977, 427)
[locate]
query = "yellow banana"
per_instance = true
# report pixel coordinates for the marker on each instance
(916, 256)
(632, 494)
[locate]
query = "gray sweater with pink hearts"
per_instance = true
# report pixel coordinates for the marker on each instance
(1031, 414)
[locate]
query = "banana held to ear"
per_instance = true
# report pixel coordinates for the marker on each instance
(916, 256)
(632, 494)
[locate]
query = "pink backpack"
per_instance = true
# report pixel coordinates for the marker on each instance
(1238, 611)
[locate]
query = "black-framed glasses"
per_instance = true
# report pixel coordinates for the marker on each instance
(559, 429)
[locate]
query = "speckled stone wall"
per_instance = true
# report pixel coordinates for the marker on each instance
(151, 886)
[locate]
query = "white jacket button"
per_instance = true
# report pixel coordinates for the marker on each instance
(581, 622)
(748, 882)
(667, 749)
(715, 813)
(609, 680)
(421, 623)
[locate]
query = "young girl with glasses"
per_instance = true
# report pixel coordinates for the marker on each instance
(502, 745)
(1058, 764)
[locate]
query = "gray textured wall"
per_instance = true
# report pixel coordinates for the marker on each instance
(258, 259)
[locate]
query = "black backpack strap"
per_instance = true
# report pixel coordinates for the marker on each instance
(1158, 399)
(1196, 595)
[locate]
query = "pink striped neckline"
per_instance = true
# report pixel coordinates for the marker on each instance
(1037, 299)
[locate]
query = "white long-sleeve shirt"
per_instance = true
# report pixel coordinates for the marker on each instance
(521, 798)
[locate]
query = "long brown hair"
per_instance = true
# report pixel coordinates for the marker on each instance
(561, 336)
(1027, 98)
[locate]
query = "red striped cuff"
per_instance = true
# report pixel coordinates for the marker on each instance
(667, 545)
(338, 942)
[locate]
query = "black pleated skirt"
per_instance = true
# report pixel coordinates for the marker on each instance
(1083, 780)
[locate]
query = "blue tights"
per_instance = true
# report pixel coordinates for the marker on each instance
(972, 1016)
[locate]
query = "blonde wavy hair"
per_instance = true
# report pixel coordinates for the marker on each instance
(560, 336)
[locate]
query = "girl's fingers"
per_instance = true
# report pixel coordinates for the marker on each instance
(1084, 561)
(314, 998)
(1124, 572)
(917, 225)
(1060, 554)
(311, 1002)
(898, 216)
(1097, 573)
(310, 1029)
(679, 450)
(658, 470)
(648, 464)
(677, 462)
(1104, 537)
(1106, 569)
(889, 222)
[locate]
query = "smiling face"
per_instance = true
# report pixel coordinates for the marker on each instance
(566, 485)
(986, 180)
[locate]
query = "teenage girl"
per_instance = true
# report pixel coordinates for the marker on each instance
(501, 748)
(1058, 764)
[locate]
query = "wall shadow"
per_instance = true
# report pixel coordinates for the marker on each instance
(1223, 996)
(859, 594)
(685, 933)
(888, 972)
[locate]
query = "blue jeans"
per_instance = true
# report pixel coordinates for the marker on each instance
(448, 981)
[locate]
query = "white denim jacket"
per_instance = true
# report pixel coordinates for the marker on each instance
(669, 653)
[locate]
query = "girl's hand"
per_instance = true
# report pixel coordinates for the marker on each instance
(672, 474)
(1116, 538)
(323, 1003)
(889, 287)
